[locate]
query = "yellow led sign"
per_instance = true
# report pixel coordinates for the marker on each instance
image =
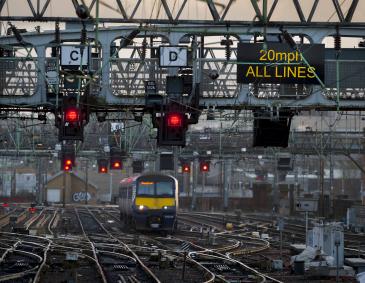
(279, 64)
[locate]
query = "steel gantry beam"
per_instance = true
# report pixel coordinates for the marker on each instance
(120, 77)
(251, 12)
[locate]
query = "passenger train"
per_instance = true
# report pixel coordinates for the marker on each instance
(149, 202)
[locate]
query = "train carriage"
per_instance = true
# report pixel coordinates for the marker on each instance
(149, 201)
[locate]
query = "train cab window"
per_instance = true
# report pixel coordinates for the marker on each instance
(165, 189)
(145, 188)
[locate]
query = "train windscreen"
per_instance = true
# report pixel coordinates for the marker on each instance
(146, 189)
(164, 189)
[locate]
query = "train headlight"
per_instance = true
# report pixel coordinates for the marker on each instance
(141, 207)
(168, 207)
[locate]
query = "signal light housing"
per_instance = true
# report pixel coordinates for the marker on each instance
(186, 168)
(204, 166)
(67, 167)
(116, 164)
(71, 126)
(72, 115)
(174, 120)
(103, 166)
(172, 128)
(68, 159)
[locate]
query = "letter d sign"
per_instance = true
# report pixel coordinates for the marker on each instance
(173, 56)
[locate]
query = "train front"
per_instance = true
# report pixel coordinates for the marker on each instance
(155, 203)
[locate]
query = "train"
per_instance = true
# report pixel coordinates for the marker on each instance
(149, 202)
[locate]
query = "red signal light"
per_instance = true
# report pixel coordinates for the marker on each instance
(5, 204)
(204, 166)
(116, 165)
(103, 165)
(186, 168)
(67, 164)
(72, 115)
(103, 170)
(174, 120)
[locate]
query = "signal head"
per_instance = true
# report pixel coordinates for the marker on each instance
(67, 167)
(204, 166)
(116, 165)
(186, 168)
(174, 120)
(103, 169)
(72, 115)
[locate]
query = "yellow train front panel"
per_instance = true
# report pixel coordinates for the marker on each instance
(155, 203)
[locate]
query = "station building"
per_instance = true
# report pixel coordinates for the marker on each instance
(75, 189)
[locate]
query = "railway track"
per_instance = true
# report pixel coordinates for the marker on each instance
(161, 261)
(202, 250)
(221, 261)
(265, 224)
(14, 217)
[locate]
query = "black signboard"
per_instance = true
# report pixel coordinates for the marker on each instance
(278, 63)
(150, 87)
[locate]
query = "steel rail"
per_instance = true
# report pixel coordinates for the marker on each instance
(180, 255)
(33, 220)
(9, 250)
(245, 251)
(144, 267)
(93, 248)
(22, 273)
(225, 258)
(37, 276)
(50, 223)
(238, 262)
